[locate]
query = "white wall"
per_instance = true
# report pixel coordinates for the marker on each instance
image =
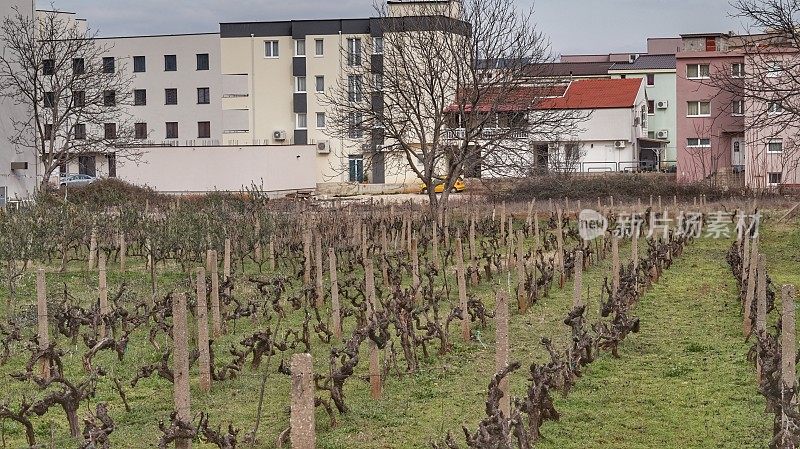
(19, 183)
(187, 79)
(204, 169)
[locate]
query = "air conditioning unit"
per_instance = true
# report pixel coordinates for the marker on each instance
(663, 134)
(620, 144)
(324, 147)
(662, 104)
(279, 135)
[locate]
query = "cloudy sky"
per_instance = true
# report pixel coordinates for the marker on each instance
(577, 26)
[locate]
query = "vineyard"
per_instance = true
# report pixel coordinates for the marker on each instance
(239, 321)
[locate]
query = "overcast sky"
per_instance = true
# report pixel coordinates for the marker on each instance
(577, 26)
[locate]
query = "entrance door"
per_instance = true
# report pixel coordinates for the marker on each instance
(356, 168)
(86, 165)
(542, 158)
(737, 153)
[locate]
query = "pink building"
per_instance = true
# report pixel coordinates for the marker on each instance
(710, 118)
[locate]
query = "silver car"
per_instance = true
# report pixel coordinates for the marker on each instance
(76, 180)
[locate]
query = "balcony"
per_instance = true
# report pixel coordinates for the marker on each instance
(488, 134)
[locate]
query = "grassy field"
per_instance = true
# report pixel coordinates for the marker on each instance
(682, 382)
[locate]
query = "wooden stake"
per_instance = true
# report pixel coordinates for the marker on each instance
(375, 383)
(319, 274)
(560, 246)
(462, 288)
(307, 236)
(614, 264)
(522, 295)
(751, 290)
(92, 249)
(301, 420)
(202, 331)
(761, 305)
(123, 252)
(103, 295)
(502, 348)
(257, 249)
(336, 316)
(226, 264)
(216, 313)
(788, 344)
(180, 366)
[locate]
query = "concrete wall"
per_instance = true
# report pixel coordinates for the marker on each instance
(187, 79)
(204, 169)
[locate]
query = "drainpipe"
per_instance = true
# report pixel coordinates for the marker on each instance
(252, 89)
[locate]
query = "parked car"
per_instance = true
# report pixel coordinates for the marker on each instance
(76, 180)
(439, 184)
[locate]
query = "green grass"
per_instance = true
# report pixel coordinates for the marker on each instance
(682, 382)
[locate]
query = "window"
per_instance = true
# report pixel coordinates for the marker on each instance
(697, 71)
(170, 63)
(171, 96)
(140, 131)
(86, 165)
(78, 66)
(48, 131)
(319, 84)
(356, 168)
(698, 143)
(377, 44)
(738, 107)
(203, 130)
(110, 130)
(203, 95)
(377, 81)
(300, 84)
(108, 65)
(355, 89)
(774, 69)
(300, 47)
(775, 179)
(139, 64)
(271, 49)
(49, 99)
(651, 79)
(775, 146)
(737, 70)
(109, 98)
(651, 107)
(301, 121)
(79, 131)
(202, 61)
(78, 99)
(112, 165)
(355, 130)
(172, 130)
(774, 107)
(320, 120)
(139, 97)
(48, 67)
(699, 109)
(353, 52)
(319, 47)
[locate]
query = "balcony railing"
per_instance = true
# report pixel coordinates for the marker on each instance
(488, 133)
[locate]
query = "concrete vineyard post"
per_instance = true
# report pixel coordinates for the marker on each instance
(216, 307)
(123, 252)
(788, 343)
(92, 249)
(307, 257)
(272, 264)
(560, 247)
(522, 296)
(473, 250)
(502, 349)
(751, 289)
(103, 295)
(335, 308)
(42, 318)
(635, 247)
(462, 288)
(257, 245)
(374, 358)
(503, 223)
(385, 251)
(202, 331)
(180, 366)
(746, 259)
(577, 294)
(301, 418)
(761, 304)
(614, 264)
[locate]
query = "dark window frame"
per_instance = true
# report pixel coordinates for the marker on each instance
(170, 63)
(140, 97)
(78, 66)
(140, 131)
(110, 131)
(79, 131)
(203, 61)
(171, 96)
(203, 130)
(172, 131)
(109, 64)
(109, 98)
(48, 67)
(139, 64)
(203, 95)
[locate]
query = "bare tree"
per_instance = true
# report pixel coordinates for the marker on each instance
(767, 88)
(75, 98)
(445, 96)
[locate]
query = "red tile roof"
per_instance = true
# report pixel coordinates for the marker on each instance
(596, 94)
(514, 100)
